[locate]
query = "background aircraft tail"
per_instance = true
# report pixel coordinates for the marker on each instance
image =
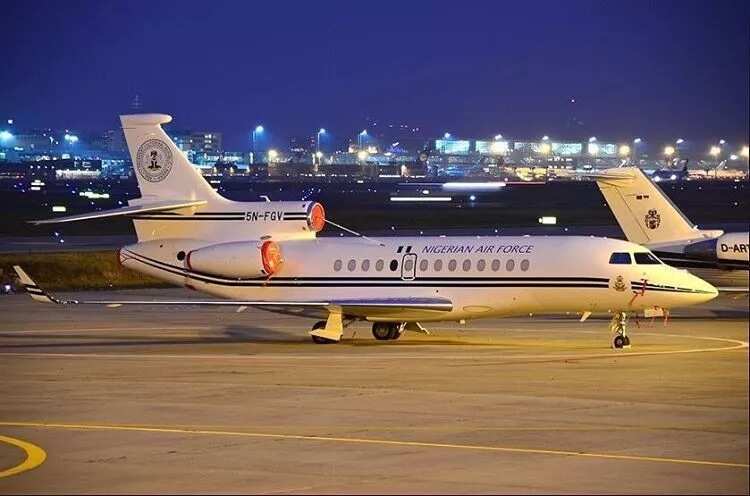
(163, 170)
(645, 214)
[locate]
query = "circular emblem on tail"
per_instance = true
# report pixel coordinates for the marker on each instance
(154, 160)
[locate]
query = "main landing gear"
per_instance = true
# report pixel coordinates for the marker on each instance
(618, 325)
(387, 330)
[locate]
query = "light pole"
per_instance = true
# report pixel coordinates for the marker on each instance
(360, 138)
(258, 130)
(317, 143)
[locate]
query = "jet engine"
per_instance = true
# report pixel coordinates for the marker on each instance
(237, 259)
(730, 246)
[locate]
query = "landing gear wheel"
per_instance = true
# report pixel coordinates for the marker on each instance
(394, 332)
(619, 327)
(381, 331)
(317, 339)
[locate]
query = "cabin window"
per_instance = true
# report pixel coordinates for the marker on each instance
(495, 265)
(379, 265)
(481, 265)
(525, 265)
(466, 265)
(510, 265)
(394, 265)
(337, 265)
(408, 265)
(438, 265)
(452, 265)
(365, 265)
(424, 265)
(351, 265)
(646, 258)
(620, 258)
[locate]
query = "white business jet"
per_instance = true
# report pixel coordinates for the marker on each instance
(648, 217)
(267, 255)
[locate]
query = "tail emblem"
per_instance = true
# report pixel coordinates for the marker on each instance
(154, 160)
(653, 219)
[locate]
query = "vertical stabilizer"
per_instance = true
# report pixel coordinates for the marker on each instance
(645, 214)
(162, 169)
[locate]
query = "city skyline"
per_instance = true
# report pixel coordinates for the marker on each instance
(567, 70)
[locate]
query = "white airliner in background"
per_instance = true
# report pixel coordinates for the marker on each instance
(648, 217)
(267, 255)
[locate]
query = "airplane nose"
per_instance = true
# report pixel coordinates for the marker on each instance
(705, 290)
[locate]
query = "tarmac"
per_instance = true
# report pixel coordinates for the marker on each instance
(185, 399)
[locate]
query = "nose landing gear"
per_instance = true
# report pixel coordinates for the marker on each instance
(618, 325)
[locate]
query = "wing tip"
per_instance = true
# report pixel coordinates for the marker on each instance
(31, 288)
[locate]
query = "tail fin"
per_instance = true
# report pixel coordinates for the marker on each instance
(162, 169)
(645, 214)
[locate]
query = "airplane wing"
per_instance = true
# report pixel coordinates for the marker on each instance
(131, 210)
(348, 306)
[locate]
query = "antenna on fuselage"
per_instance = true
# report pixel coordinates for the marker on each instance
(379, 243)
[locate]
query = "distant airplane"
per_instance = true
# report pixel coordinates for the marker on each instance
(672, 174)
(648, 217)
(267, 255)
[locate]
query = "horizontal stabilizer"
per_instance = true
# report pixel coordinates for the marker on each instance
(162, 206)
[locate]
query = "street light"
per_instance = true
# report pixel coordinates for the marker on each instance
(498, 137)
(624, 150)
(272, 155)
(362, 155)
(447, 136)
(258, 130)
(319, 155)
(637, 141)
(715, 151)
(745, 152)
(322, 131)
(545, 148)
(6, 135)
(669, 150)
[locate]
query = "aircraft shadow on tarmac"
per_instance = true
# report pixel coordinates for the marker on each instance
(232, 334)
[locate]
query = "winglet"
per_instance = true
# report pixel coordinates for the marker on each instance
(36, 293)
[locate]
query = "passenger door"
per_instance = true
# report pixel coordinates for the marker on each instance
(409, 267)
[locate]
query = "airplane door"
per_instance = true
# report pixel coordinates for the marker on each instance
(409, 267)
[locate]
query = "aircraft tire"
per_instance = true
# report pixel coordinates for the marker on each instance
(393, 333)
(381, 331)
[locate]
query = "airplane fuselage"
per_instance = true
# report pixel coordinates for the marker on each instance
(481, 276)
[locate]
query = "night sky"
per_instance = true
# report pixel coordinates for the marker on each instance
(660, 70)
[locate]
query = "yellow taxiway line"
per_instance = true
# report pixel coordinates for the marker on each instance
(380, 442)
(35, 456)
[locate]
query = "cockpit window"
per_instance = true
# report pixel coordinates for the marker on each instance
(646, 258)
(620, 258)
